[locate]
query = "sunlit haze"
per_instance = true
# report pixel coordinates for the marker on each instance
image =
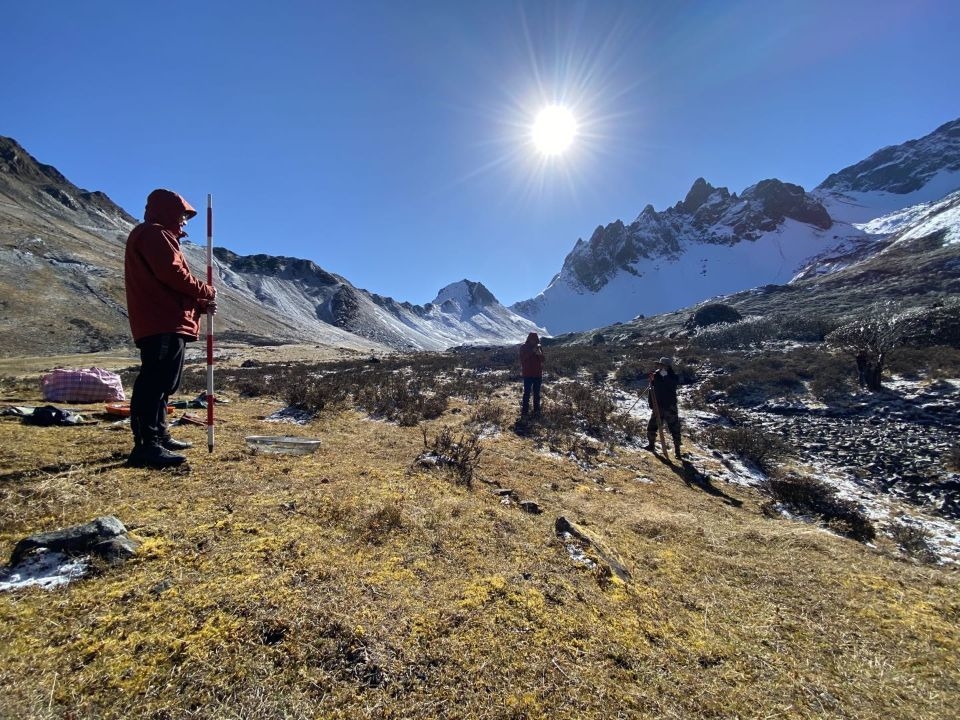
(554, 130)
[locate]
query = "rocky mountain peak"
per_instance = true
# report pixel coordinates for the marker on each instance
(698, 195)
(708, 215)
(466, 293)
(779, 200)
(27, 180)
(277, 266)
(15, 161)
(902, 169)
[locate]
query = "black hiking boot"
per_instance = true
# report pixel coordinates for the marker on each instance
(171, 444)
(154, 456)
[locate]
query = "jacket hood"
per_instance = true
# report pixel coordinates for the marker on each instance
(165, 207)
(533, 339)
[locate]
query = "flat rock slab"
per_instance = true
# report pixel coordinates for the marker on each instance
(105, 536)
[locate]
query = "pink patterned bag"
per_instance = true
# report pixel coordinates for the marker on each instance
(90, 385)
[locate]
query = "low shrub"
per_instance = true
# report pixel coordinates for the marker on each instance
(558, 414)
(713, 314)
(192, 382)
(802, 328)
(394, 393)
(750, 443)
(573, 361)
(315, 393)
(486, 413)
(756, 330)
(25, 386)
(592, 405)
(936, 363)
(383, 520)
(401, 399)
(628, 427)
(732, 335)
(831, 388)
(952, 458)
(811, 497)
(632, 371)
(460, 457)
(914, 541)
(753, 380)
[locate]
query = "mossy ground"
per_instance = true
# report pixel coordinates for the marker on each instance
(343, 584)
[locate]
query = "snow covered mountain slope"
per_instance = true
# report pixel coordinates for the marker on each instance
(326, 306)
(916, 265)
(939, 220)
(712, 243)
(922, 221)
(895, 177)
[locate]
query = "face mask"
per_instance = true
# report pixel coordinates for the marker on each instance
(663, 371)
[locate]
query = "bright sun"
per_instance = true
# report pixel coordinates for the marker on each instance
(554, 130)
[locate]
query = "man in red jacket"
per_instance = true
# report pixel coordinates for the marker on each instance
(164, 302)
(531, 368)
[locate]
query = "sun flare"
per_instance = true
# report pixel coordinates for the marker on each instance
(554, 130)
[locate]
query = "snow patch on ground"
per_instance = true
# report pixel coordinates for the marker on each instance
(290, 415)
(883, 509)
(43, 569)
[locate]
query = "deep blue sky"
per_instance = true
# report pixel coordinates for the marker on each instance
(389, 141)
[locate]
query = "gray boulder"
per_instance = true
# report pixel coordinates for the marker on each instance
(105, 537)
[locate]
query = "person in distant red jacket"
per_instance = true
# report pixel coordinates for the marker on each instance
(164, 303)
(531, 368)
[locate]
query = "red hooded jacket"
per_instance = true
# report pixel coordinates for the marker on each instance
(531, 357)
(163, 296)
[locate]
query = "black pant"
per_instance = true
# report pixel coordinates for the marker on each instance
(531, 384)
(161, 365)
(669, 417)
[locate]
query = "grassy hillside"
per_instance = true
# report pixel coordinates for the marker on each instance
(350, 584)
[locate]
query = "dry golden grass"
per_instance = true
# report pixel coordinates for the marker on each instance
(343, 585)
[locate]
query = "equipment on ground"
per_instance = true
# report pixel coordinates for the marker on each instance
(282, 444)
(122, 409)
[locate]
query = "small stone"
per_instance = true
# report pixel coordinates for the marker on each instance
(116, 549)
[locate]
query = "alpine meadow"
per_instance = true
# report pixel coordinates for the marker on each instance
(343, 510)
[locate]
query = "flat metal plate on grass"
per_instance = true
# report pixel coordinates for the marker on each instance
(285, 444)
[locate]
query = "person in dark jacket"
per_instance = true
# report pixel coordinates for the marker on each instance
(164, 303)
(663, 385)
(531, 368)
(863, 368)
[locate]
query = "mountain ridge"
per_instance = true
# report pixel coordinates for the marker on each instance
(64, 244)
(675, 258)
